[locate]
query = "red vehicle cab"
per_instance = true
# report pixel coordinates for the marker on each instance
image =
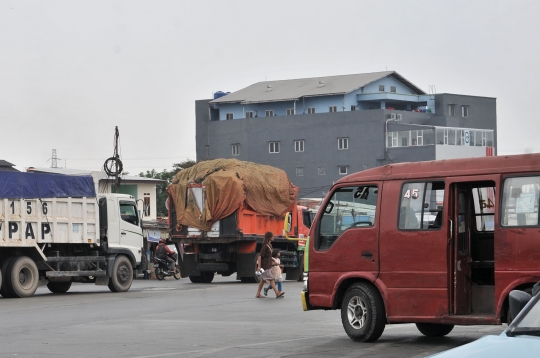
(437, 243)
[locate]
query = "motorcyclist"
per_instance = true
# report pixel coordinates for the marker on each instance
(163, 252)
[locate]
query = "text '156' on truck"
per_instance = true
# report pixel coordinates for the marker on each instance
(55, 230)
(438, 244)
(220, 210)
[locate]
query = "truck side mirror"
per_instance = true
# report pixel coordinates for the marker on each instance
(518, 300)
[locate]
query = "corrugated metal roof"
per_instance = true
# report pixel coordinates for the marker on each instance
(288, 90)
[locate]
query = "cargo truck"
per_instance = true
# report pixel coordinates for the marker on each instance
(219, 211)
(55, 230)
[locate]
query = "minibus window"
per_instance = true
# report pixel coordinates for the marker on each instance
(348, 207)
(520, 201)
(484, 208)
(421, 206)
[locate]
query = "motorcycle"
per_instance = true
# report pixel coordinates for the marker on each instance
(162, 269)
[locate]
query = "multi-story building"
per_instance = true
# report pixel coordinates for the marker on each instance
(319, 129)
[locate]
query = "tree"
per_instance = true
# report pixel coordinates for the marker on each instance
(165, 175)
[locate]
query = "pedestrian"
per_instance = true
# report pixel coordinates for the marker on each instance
(265, 262)
(276, 271)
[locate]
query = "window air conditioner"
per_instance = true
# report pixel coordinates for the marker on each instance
(392, 116)
(398, 117)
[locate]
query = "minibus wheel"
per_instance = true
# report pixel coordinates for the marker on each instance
(362, 313)
(434, 329)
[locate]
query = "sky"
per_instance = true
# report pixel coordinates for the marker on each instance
(70, 71)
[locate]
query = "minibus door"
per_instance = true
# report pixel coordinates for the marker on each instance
(472, 215)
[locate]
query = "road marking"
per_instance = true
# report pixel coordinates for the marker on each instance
(214, 350)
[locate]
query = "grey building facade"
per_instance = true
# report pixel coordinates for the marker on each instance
(318, 146)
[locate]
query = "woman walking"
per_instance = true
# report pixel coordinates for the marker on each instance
(265, 261)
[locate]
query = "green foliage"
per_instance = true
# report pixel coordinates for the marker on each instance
(166, 175)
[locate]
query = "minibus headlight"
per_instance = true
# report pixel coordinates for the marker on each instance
(305, 281)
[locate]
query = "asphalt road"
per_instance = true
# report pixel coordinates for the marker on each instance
(180, 319)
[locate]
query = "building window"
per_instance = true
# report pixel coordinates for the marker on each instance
(290, 112)
(381, 88)
(465, 111)
(273, 147)
(393, 89)
(332, 109)
(269, 113)
(342, 169)
(230, 116)
(321, 171)
(353, 108)
(299, 145)
(343, 143)
(235, 149)
(451, 109)
(249, 114)
(311, 110)
(299, 172)
(146, 205)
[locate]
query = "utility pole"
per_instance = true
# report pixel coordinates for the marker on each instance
(54, 159)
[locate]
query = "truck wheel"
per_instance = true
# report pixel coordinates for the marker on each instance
(59, 287)
(254, 278)
(362, 313)
(434, 329)
(122, 275)
(22, 277)
(195, 279)
(4, 291)
(207, 276)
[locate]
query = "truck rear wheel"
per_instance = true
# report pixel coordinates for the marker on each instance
(207, 276)
(195, 279)
(434, 329)
(22, 277)
(122, 275)
(4, 291)
(59, 287)
(362, 313)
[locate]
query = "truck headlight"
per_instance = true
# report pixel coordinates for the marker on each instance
(305, 281)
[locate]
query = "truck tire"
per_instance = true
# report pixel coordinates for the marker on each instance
(122, 275)
(362, 313)
(59, 287)
(254, 278)
(195, 279)
(4, 291)
(22, 277)
(207, 276)
(434, 329)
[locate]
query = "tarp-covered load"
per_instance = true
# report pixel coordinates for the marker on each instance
(16, 185)
(229, 184)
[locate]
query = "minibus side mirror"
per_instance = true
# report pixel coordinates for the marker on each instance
(518, 300)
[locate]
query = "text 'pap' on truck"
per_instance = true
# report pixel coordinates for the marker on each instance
(437, 243)
(220, 210)
(55, 230)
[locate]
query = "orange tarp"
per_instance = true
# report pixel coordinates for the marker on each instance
(229, 183)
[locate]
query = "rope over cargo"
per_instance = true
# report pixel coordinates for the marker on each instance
(230, 184)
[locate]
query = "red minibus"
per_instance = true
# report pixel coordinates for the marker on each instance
(437, 243)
